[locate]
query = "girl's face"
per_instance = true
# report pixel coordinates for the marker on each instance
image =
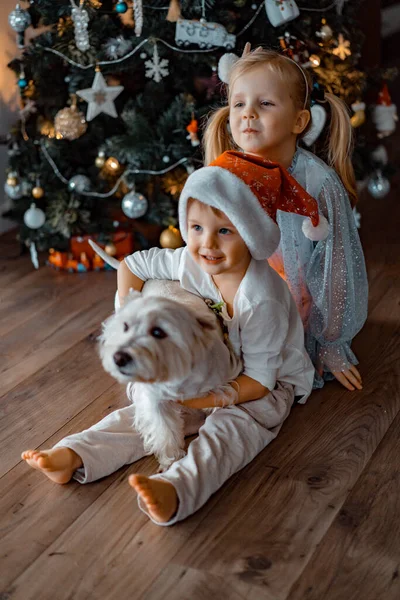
(263, 118)
(213, 241)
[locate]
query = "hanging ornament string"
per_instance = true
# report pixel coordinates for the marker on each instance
(123, 176)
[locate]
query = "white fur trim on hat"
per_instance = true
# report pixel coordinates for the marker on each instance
(221, 189)
(318, 233)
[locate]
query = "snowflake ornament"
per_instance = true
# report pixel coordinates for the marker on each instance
(342, 47)
(117, 47)
(155, 68)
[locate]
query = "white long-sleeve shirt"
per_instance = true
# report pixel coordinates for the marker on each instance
(265, 330)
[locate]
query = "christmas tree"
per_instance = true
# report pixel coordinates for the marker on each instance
(114, 93)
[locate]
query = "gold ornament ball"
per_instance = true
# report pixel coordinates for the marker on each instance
(112, 165)
(315, 60)
(38, 192)
(69, 123)
(12, 180)
(111, 249)
(171, 238)
(99, 162)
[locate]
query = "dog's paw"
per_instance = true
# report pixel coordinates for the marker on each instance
(166, 461)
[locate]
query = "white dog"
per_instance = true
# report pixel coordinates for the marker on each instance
(167, 345)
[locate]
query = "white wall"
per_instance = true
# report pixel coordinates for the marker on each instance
(8, 94)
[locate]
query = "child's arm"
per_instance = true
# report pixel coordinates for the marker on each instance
(242, 389)
(337, 281)
(126, 281)
(141, 266)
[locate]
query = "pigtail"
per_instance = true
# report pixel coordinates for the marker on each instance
(217, 139)
(339, 145)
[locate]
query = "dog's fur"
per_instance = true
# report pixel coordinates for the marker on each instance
(167, 345)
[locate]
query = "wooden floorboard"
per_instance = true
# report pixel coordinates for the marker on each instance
(315, 516)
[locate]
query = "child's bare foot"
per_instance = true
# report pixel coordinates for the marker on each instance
(58, 464)
(159, 497)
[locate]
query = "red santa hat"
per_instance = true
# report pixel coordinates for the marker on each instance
(250, 191)
(384, 98)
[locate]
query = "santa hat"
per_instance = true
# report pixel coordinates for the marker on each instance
(250, 191)
(384, 98)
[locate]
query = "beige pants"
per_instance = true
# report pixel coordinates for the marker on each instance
(228, 440)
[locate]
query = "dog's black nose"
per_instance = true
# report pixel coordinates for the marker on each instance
(122, 358)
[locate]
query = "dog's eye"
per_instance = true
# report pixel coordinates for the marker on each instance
(157, 332)
(126, 326)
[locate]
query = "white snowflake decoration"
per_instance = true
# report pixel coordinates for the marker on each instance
(342, 47)
(155, 68)
(117, 47)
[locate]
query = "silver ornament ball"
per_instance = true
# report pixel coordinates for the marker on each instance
(34, 217)
(134, 205)
(19, 19)
(378, 186)
(15, 192)
(79, 184)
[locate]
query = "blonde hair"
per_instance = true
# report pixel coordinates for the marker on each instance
(339, 139)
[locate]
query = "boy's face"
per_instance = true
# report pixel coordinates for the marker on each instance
(213, 241)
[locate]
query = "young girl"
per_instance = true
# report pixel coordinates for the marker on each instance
(268, 112)
(224, 260)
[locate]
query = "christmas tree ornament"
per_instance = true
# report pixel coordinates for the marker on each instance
(134, 205)
(325, 33)
(384, 113)
(171, 238)
(339, 6)
(117, 47)
(318, 120)
(225, 65)
(380, 155)
(79, 184)
(12, 179)
(15, 192)
(19, 20)
(281, 11)
(342, 48)
(37, 191)
(100, 97)
(69, 122)
(34, 217)
(295, 49)
(156, 69)
(166, 159)
(80, 18)
(192, 129)
(204, 34)
(111, 249)
(357, 218)
(121, 7)
(174, 11)
(315, 60)
(22, 80)
(112, 166)
(378, 185)
(359, 114)
(138, 16)
(100, 159)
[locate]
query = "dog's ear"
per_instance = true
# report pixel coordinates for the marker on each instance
(207, 324)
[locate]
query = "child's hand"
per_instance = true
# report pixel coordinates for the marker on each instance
(349, 378)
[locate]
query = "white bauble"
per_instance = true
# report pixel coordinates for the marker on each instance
(34, 217)
(225, 65)
(134, 205)
(378, 185)
(79, 184)
(15, 192)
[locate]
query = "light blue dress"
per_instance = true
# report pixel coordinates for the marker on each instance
(328, 279)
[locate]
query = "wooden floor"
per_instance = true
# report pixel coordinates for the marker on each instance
(315, 517)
